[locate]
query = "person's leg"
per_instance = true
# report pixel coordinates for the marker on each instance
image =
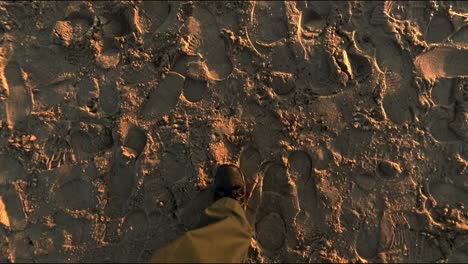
(223, 234)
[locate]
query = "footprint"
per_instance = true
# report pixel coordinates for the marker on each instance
(367, 244)
(134, 139)
(20, 101)
(176, 164)
(312, 21)
(282, 83)
(267, 124)
(274, 213)
(459, 255)
(300, 169)
(448, 194)
(11, 170)
(135, 225)
(268, 22)
(108, 57)
(157, 12)
(249, 161)
(442, 91)
(76, 195)
(443, 61)
(300, 166)
(461, 36)
(388, 170)
(109, 98)
(158, 200)
(122, 181)
(278, 209)
(164, 97)
(271, 232)
(73, 28)
(204, 38)
(87, 94)
(79, 229)
(361, 66)
(439, 125)
(439, 29)
(120, 22)
(194, 89)
(276, 180)
(11, 210)
(91, 137)
(394, 231)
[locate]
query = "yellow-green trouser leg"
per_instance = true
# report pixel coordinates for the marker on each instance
(223, 236)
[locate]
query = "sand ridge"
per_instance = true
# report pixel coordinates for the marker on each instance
(349, 121)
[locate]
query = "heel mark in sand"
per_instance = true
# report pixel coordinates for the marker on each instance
(194, 89)
(134, 139)
(164, 97)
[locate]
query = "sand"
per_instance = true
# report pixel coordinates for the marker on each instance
(349, 121)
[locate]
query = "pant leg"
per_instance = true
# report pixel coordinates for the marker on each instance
(223, 236)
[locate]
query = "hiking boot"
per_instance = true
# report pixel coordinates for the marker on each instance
(229, 182)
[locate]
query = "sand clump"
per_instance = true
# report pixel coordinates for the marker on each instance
(348, 119)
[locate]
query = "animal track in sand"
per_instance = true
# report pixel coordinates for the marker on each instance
(11, 169)
(91, 137)
(194, 89)
(164, 97)
(134, 138)
(443, 61)
(11, 210)
(268, 22)
(135, 225)
(205, 41)
(76, 195)
(20, 102)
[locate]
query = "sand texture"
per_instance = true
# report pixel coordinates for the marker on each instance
(349, 121)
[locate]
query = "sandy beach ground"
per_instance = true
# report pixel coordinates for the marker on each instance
(349, 121)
